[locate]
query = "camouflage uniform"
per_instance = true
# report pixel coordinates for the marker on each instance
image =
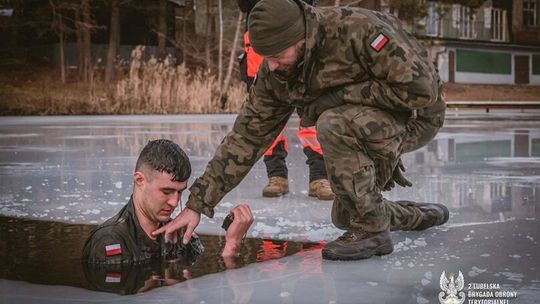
(383, 102)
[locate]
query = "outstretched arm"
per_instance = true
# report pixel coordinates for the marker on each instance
(259, 122)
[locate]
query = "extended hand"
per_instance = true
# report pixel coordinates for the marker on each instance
(238, 228)
(312, 111)
(187, 218)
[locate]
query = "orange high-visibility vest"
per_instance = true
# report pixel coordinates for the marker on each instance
(253, 59)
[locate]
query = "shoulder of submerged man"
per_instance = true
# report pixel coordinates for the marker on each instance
(109, 241)
(108, 244)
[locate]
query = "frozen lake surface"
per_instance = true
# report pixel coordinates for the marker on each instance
(484, 166)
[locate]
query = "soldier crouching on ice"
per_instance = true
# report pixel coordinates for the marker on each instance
(161, 174)
(373, 94)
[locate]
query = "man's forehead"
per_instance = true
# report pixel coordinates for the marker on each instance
(164, 180)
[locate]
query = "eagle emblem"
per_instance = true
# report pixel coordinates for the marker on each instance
(452, 287)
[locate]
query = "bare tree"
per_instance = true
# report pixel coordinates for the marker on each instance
(162, 29)
(58, 28)
(86, 46)
(83, 25)
(208, 43)
(114, 40)
(232, 58)
(220, 51)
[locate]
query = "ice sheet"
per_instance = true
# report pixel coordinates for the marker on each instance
(484, 166)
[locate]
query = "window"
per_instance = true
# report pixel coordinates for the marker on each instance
(498, 24)
(530, 8)
(432, 20)
(466, 22)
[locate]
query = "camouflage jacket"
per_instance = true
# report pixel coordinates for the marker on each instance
(366, 55)
(122, 240)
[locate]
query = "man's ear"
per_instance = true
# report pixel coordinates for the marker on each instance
(138, 178)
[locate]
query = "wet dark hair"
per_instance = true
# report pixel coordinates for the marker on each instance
(164, 155)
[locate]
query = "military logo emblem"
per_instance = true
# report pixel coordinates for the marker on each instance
(451, 289)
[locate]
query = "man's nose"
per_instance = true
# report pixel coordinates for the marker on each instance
(272, 65)
(174, 200)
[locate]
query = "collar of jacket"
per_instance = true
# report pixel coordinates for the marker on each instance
(313, 18)
(140, 234)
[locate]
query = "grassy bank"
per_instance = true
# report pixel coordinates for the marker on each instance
(150, 87)
(156, 88)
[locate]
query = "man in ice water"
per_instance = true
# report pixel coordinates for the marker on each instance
(160, 176)
(373, 94)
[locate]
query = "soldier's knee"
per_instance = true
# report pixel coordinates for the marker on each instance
(327, 125)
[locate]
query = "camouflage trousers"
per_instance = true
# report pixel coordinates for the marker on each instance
(362, 146)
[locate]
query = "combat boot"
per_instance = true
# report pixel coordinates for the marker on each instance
(357, 244)
(432, 214)
(321, 189)
(277, 186)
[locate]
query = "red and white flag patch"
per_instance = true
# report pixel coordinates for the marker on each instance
(378, 43)
(113, 278)
(113, 249)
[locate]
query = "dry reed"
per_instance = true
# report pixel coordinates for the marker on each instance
(159, 87)
(147, 87)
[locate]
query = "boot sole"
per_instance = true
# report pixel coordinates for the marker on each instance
(266, 194)
(322, 198)
(382, 250)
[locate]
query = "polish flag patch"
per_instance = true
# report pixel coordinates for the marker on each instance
(113, 249)
(378, 43)
(113, 278)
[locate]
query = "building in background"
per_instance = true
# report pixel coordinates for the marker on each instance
(496, 43)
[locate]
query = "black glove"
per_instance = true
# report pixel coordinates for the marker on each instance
(314, 109)
(397, 178)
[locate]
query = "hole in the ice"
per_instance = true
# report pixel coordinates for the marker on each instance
(46, 252)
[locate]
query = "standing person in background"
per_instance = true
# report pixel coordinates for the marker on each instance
(275, 157)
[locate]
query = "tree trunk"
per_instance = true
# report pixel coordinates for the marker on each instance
(162, 30)
(78, 34)
(184, 40)
(220, 51)
(208, 41)
(232, 59)
(58, 26)
(62, 56)
(114, 38)
(86, 41)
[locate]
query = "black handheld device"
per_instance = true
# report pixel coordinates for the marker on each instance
(227, 221)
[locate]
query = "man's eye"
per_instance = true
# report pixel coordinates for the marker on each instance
(166, 192)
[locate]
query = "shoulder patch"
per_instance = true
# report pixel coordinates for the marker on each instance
(379, 42)
(112, 277)
(113, 249)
